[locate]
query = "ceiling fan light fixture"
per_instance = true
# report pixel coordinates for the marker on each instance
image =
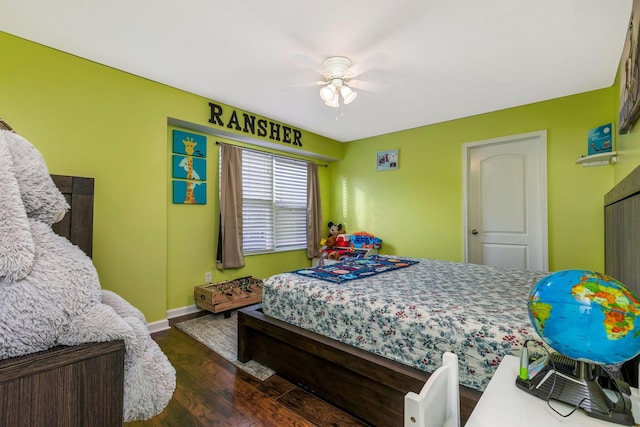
(328, 92)
(348, 95)
(336, 81)
(336, 92)
(334, 102)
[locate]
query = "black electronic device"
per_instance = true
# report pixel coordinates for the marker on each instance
(579, 384)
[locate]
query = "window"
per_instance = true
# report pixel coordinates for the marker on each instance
(274, 212)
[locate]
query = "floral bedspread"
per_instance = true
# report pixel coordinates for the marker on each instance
(414, 314)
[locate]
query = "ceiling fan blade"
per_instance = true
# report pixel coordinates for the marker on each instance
(364, 85)
(308, 84)
(308, 62)
(368, 64)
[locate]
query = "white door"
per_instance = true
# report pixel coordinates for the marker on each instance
(506, 201)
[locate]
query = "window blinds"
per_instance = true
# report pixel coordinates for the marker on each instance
(274, 202)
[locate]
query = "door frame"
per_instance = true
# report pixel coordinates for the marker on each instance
(541, 140)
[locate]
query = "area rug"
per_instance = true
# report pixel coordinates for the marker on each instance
(356, 269)
(221, 336)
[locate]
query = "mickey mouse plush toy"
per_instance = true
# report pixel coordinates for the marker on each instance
(334, 231)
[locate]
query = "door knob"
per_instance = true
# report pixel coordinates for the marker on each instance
(474, 231)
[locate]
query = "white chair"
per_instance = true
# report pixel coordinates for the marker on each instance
(438, 404)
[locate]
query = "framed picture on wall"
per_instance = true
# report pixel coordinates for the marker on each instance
(387, 160)
(189, 192)
(190, 144)
(630, 75)
(187, 167)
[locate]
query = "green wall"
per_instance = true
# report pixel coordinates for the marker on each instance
(417, 210)
(196, 227)
(92, 120)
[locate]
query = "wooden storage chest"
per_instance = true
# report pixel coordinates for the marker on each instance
(224, 296)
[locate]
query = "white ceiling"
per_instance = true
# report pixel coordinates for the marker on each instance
(433, 60)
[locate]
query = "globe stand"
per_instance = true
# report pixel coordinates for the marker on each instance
(584, 385)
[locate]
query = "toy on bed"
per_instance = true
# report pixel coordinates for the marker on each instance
(334, 231)
(340, 245)
(327, 250)
(336, 245)
(50, 293)
(362, 239)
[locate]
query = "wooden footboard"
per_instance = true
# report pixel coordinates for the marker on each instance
(365, 385)
(77, 386)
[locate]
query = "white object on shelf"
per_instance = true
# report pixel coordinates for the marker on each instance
(598, 159)
(504, 404)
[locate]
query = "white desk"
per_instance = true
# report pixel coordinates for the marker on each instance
(504, 404)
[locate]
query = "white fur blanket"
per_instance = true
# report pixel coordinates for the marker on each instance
(50, 293)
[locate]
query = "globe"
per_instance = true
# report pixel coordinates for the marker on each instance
(587, 316)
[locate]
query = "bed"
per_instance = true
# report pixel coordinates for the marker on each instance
(400, 322)
(372, 387)
(414, 314)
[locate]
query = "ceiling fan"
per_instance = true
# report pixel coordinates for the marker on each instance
(336, 69)
(339, 72)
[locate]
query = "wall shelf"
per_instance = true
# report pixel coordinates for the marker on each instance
(598, 159)
(348, 251)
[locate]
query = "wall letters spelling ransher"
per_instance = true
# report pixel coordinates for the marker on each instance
(260, 127)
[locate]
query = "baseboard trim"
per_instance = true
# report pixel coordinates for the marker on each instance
(160, 325)
(163, 325)
(182, 311)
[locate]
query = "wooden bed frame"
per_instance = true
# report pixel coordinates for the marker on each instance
(77, 224)
(372, 387)
(364, 384)
(70, 386)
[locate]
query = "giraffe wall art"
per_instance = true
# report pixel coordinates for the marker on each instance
(189, 168)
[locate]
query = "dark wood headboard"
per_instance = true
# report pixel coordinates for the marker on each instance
(622, 244)
(622, 231)
(77, 224)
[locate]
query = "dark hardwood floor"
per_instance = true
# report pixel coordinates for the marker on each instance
(210, 391)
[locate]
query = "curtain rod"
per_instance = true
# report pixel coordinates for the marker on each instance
(267, 152)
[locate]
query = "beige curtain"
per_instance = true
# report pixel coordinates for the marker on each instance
(314, 212)
(230, 231)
